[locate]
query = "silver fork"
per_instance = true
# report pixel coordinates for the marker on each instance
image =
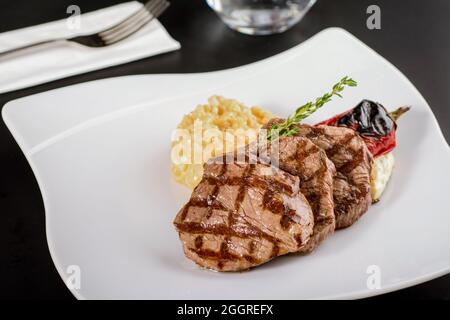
(130, 25)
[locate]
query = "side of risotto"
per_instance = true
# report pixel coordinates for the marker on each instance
(219, 126)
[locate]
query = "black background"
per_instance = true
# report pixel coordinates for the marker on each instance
(415, 36)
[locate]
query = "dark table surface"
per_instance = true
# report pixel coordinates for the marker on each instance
(415, 36)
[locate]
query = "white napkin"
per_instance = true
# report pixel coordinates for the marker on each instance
(66, 59)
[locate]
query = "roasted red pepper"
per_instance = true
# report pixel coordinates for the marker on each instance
(373, 123)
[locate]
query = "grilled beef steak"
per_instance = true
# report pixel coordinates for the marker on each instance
(352, 159)
(302, 158)
(243, 215)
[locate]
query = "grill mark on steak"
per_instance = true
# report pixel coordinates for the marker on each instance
(199, 242)
(272, 203)
(212, 198)
(256, 182)
(197, 228)
(275, 250)
(345, 148)
(352, 160)
(202, 203)
(185, 210)
(271, 186)
(251, 259)
(301, 152)
(320, 173)
(209, 203)
(285, 222)
(349, 166)
(301, 157)
(222, 255)
(298, 238)
(338, 145)
(252, 247)
(243, 186)
(237, 227)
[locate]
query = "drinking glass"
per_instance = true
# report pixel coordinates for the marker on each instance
(261, 17)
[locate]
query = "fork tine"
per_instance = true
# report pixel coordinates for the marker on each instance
(130, 19)
(136, 21)
(125, 32)
(128, 32)
(123, 22)
(148, 8)
(126, 27)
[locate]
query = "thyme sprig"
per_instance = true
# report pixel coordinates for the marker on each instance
(287, 128)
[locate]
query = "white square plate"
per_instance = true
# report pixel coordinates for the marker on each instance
(100, 153)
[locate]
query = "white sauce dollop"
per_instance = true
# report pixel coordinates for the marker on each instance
(382, 167)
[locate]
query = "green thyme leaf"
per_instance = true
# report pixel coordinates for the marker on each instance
(288, 129)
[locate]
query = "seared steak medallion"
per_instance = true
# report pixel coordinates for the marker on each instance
(302, 158)
(353, 163)
(242, 215)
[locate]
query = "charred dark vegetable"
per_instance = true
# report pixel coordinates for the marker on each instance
(374, 124)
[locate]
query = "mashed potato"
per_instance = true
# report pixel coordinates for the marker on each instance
(221, 125)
